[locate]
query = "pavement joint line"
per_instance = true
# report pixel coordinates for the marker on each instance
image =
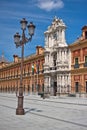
(49, 117)
(48, 105)
(53, 118)
(74, 116)
(50, 101)
(58, 106)
(7, 106)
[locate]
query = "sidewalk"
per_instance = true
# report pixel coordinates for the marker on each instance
(55, 113)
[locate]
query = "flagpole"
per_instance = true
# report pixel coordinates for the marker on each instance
(34, 78)
(37, 76)
(31, 77)
(34, 83)
(37, 81)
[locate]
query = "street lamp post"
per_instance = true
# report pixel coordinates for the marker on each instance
(20, 43)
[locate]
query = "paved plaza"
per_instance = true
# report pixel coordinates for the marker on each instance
(54, 113)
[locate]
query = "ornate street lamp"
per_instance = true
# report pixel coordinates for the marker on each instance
(20, 41)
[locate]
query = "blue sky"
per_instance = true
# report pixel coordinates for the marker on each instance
(41, 12)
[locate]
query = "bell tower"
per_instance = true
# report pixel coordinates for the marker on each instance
(55, 35)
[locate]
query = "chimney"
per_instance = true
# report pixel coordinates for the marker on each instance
(84, 32)
(39, 50)
(16, 58)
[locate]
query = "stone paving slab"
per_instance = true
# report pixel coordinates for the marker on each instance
(43, 114)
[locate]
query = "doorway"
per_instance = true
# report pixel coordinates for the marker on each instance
(55, 88)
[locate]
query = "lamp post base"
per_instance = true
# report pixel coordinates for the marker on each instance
(20, 110)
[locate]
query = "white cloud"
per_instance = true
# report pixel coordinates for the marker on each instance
(48, 5)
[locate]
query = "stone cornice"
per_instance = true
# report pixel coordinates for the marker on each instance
(26, 60)
(81, 70)
(78, 45)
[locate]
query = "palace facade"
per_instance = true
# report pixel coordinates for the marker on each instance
(57, 66)
(56, 69)
(79, 64)
(33, 78)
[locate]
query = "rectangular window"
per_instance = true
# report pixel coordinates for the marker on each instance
(85, 59)
(85, 64)
(76, 61)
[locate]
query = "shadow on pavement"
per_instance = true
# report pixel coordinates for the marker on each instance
(27, 110)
